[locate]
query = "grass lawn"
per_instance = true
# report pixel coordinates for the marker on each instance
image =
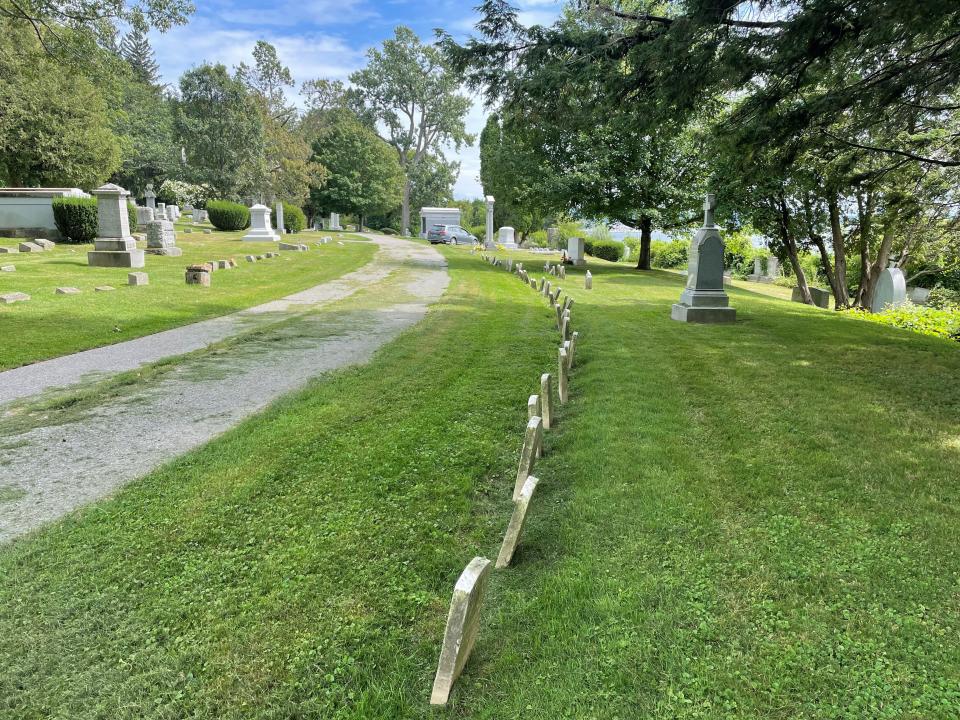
(757, 520)
(50, 325)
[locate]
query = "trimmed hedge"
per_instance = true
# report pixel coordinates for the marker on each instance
(604, 249)
(76, 218)
(226, 215)
(132, 215)
(293, 218)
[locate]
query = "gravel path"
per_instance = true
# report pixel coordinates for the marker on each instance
(47, 471)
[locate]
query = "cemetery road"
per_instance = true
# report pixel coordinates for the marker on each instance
(58, 462)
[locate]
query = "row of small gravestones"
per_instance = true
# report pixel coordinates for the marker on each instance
(463, 620)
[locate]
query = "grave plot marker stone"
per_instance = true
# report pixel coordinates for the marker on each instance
(546, 289)
(103, 288)
(198, 275)
(542, 281)
(8, 268)
(588, 281)
(463, 625)
(9, 250)
(138, 278)
(566, 346)
(528, 455)
(562, 376)
(559, 317)
(10, 298)
(67, 291)
(573, 347)
(26, 247)
(280, 228)
(512, 536)
(565, 326)
(546, 400)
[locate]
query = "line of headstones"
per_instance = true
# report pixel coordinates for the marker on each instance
(463, 619)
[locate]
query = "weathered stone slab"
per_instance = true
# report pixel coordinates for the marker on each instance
(542, 281)
(512, 536)
(103, 288)
(528, 455)
(565, 325)
(26, 247)
(13, 297)
(208, 231)
(8, 268)
(44, 243)
(559, 314)
(251, 258)
(8, 250)
(463, 625)
(198, 275)
(533, 410)
(574, 338)
(546, 289)
(67, 291)
(546, 400)
(138, 278)
(566, 346)
(296, 247)
(820, 297)
(562, 376)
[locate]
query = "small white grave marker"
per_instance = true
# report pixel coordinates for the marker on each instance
(588, 281)
(463, 625)
(512, 536)
(528, 455)
(546, 399)
(562, 376)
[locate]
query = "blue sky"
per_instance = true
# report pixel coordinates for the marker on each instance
(327, 38)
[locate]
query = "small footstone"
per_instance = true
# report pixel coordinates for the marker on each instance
(8, 250)
(223, 265)
(67, 291)
(8, 268)
(573, 348)
(30, 247)
(533, 410)
(562, 376)
(13, 297)
(104, 288)
(208, 231)
(251, 258)
(44, 243)
(512, 536)
(546, 399)
(198, 275)
(463, 625)
(528, 455)
(138, 278)
(588, 281)
(188, 230)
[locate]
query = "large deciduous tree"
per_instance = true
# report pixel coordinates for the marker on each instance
(408, 90)
(221, 129)
(363, 174)
(52, 129)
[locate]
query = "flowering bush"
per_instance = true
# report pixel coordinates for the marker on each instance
(177, 192)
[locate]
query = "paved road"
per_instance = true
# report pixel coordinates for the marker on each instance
(58, 467)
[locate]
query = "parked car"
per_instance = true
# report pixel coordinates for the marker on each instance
(449, 234)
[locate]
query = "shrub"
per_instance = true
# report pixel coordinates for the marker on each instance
(293, 218)
(76, 218)
(605, 249)
(919, 318)
(226, 215)
(671, 254)
(538, 238)
(476, 230)
(942, 298)
(132, 215)
(179, 193)
(389, 231)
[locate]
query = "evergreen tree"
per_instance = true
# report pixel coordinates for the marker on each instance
(135, 49)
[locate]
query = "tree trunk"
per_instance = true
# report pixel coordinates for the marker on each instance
(841, 294)
(865, 216)
(793, 254)
(646, 225)
(405, 209)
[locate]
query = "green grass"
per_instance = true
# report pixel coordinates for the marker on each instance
(756, 520)
(50, 325)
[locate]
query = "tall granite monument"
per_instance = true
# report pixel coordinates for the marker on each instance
(488, 242)
(890, 291)
(113, 246)
(704, 300)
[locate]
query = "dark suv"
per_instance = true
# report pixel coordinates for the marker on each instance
(450, 234)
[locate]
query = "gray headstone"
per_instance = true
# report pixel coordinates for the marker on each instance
(463, 625)
(704, 299)
(562, 375)
(546, 400)
(10, 298)
(588, 281)
(67, 291)
(512, 536)
(138, 278)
